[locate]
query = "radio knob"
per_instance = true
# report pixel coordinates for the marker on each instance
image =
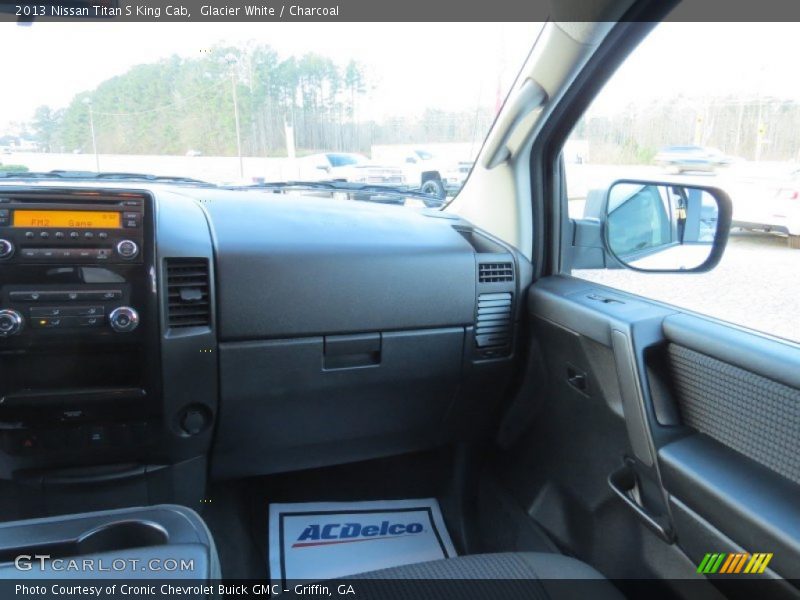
(6, 249)
(10, 322)
(127, 249)
(123, 319)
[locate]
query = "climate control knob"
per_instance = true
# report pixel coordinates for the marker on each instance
(123, 319)
(127, 249)
(10, 322)
(6, 249)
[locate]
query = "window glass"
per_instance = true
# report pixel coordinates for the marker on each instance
(730, 120)
(242, 103)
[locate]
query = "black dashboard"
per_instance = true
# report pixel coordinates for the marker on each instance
(150, 336)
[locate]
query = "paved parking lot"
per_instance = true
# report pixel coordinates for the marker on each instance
(756, 285)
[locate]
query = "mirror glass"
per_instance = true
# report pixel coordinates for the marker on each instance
(661, 227)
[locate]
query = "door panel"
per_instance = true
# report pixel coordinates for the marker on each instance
(710, 448)
(736, 496)
(772, 359)
(739, 469)
(746, 412)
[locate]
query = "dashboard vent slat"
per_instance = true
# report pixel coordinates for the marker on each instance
(188, 289)
(495, 272)
(493, 323)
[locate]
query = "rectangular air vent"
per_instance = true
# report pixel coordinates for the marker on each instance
(188, 293)
(493, 323)
(495, 272)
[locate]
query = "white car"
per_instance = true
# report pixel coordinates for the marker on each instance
(768, 202)
(427, 172)
(347, 166)
(434, 175)
(680, 159)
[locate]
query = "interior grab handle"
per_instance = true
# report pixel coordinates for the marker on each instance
(623, 483)
(526, 99)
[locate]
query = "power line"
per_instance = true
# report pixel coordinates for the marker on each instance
(165, 106)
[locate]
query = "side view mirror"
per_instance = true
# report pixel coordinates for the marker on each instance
(325, 168)
(653, 226)
(411, 160)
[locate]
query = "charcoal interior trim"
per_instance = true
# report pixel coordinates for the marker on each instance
(743, 410)
(771, 358)
(755, 507)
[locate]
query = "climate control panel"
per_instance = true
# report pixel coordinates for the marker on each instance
(79, 308)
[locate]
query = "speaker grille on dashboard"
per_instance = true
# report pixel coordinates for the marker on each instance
(493, 324)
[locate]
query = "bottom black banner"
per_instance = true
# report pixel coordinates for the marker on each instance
(392, 589)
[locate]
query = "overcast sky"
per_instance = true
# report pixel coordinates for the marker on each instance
(454, 66)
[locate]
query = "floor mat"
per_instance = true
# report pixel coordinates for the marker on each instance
(324, 540)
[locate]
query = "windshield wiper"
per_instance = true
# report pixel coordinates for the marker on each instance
(102, 175)
(344, 186)
(278, 186)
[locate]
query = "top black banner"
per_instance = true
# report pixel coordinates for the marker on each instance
(66, 11)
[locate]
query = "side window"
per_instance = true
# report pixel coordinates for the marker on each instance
(731, 121)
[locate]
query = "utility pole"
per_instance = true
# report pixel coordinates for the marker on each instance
(739, 128)
(233, 62)
(88, 102)
(238, 131)
(759, 123)
(760, 132)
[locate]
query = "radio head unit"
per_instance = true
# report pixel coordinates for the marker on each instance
(103, 229)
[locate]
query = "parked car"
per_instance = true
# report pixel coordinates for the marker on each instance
(347, 166)
(677, 159)
(428, 172)
(769, 201)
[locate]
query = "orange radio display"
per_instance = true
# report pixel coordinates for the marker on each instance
(77, 219)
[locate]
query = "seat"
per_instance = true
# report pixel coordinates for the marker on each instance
(529, 575)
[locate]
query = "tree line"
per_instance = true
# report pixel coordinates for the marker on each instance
(179, 104)
(753, 128)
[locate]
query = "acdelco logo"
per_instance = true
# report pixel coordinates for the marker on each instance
(336, 533)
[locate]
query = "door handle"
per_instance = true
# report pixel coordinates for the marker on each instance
(577, 379)
(623, 483)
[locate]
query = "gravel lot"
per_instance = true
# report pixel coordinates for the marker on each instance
(756, 285)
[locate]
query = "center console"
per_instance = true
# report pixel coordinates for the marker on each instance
(163, 542)
(81, 391)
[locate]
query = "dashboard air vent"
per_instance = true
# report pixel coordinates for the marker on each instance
(495, 272)
(493, 324)
(187, 293)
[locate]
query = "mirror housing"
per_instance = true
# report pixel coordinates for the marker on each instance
(660, 226)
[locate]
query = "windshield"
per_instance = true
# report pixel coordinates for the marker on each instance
(243, 103)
